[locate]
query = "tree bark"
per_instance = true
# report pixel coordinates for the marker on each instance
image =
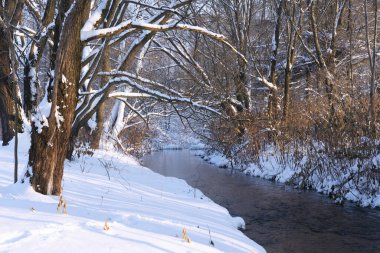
(8, 116)
(273, 97)
(31, 82)
(49, 147)
(372, 60)
(97, 132)
(290, 57)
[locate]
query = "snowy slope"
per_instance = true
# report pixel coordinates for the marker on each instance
(145, 212)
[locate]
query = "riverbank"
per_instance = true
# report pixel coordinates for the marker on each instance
(112, 204)
(279, 217)
(270, 166)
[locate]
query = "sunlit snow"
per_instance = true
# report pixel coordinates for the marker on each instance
(144, 211)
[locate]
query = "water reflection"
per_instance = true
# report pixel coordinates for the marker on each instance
(277, 216)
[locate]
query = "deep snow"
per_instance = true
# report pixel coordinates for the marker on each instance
(145, 212)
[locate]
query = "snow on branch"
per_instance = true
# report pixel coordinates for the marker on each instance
(34, 11)
(95, 17)
(161, 96)
(123, 94)
(88, 35)
(163, 8)
(141, 79)
(268, 84)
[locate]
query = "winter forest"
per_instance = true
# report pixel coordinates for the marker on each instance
(284, 90)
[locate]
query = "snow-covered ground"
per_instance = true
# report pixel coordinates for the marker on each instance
(113, 205)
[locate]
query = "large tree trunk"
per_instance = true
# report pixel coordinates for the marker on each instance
(49, 147)
(8, 86)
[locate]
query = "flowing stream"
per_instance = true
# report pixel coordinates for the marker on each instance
(278, 217)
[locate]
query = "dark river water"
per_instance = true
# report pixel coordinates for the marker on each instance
(278, 217)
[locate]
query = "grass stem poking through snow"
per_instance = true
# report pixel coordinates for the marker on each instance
(184, 236)
(106, 227)
(62, 205)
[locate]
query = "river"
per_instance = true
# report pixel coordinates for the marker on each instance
(277, 216)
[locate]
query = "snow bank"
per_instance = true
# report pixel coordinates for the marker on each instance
(215, 158)
(337, 185)
(113, 205)
(269, 168)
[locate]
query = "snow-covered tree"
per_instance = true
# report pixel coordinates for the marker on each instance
(78, 38)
